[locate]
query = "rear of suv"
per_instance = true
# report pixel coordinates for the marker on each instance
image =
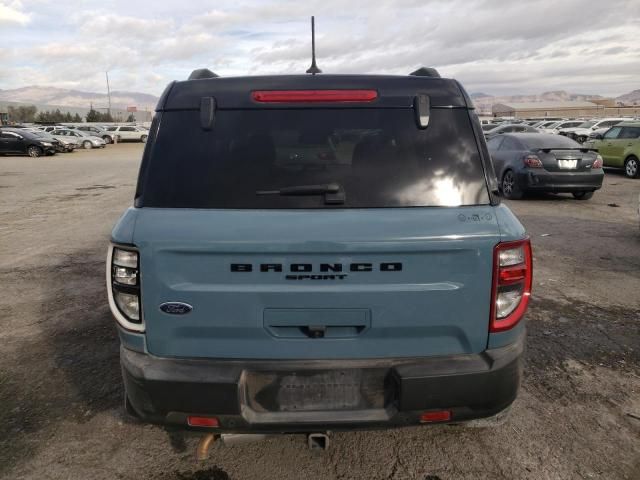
(320, 252)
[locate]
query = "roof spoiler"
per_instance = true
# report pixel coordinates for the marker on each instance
(425, 72)
(202, 73)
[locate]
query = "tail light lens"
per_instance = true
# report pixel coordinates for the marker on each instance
(597, 163)
(123, 283)
(532, 161)
(512, 279)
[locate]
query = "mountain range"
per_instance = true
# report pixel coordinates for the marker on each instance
(39, 95)
(483, 101)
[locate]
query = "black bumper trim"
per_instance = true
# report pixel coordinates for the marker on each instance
(167, 390)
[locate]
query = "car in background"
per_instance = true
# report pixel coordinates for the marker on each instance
(619, 147)
(544, 123)
(62, 145)
(129, 133)
(83, 138)
(557, 126)
(21, 141)
(526, 162)
(581, 132)
(50, 128)
(509, 128)
(108, 137)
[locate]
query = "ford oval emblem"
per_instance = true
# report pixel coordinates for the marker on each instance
(176, 308)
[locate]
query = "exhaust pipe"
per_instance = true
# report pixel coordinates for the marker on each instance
(202, 452)
(318, 441)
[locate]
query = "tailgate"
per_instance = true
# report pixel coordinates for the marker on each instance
(343, 283)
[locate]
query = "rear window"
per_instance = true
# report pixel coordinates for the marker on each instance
(379, 157)
(547, 140)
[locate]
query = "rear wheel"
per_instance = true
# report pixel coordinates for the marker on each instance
(631, 167)
(510, 187)
(582, 195)
(143, 139)
(34, 151)
(87, 144)
(107, 139)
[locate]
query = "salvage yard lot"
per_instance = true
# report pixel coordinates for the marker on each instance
(61, 415)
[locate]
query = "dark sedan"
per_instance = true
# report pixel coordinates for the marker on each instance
(527, 162)
(21, 141)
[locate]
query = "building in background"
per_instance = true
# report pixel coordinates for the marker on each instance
(605, 107)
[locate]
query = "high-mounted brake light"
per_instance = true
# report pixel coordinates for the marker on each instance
(313, 96)
(512, 279)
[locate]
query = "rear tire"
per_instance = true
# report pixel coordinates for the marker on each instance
(107, 139)
(143, 139)
(509, 186)
(87, 145)
(582, 195)
(632, 167)
(34, 151)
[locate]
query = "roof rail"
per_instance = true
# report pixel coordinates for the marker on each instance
(201, 73)
(426, 72)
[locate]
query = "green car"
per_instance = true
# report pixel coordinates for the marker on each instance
(620, 147)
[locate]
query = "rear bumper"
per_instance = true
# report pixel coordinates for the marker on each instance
(561, 181)
(251, 396)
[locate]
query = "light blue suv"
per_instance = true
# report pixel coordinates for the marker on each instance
(313, 253)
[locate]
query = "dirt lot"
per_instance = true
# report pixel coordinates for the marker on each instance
(61, 416)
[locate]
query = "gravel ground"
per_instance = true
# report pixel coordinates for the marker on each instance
(61, 416)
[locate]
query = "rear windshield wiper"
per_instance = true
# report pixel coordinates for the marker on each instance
(333, 192)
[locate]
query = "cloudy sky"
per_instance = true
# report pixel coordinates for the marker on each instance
(492, 46)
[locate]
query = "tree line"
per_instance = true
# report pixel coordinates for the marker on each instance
(30, 114)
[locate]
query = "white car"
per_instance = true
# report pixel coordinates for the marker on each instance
(83, 138)
(128, 132)
(582, 132)
(557, 126)
(95, 131)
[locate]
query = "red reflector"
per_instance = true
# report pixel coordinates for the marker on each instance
(437, 416)
(512, 274)
(211, 422)
(313, 96)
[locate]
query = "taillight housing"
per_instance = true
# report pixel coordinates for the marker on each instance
(532, 161)
(512, 279)
(123, 285)
(598, 162)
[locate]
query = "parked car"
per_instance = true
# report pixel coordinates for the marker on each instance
(581, 132)
(557, 126)
(289, 299)
(509, 128)
(620, 147)
(21, 141)
(543, 123)
(83, 138)
(50, 128)
(62, 145)
(130, 133)
(107, 136)
(526, 162)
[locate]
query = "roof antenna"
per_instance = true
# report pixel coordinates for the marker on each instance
(313, 69)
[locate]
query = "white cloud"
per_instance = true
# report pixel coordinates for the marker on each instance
(11, 14)
(489, 45)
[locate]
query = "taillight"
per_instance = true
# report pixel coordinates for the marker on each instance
(123, 284)
(597, 163)
(512, 279)
(313, 96)
(532, 161)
